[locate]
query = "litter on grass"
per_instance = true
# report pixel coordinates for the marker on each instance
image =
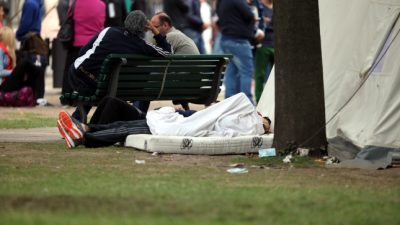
(288, 159)
(140, 161)
(267, 152)
(237, 170)
(303, 151)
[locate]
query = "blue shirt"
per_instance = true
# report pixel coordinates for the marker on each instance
(4, 60)
(31, 18)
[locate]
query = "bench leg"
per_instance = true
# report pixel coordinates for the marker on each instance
(82, 113)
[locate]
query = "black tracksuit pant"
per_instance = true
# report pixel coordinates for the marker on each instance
(113, 121)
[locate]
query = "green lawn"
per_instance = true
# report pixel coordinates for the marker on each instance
(25, 119)
(46, 184)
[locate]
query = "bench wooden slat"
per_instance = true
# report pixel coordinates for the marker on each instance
(168, 84)
(139, 94)
(194, 78)
(186, 91)
(171, 69)
(163, 62)
(156, 77)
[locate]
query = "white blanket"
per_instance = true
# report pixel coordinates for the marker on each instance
(232, 117)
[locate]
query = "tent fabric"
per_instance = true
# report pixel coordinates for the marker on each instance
(370, 117)
(360, 44)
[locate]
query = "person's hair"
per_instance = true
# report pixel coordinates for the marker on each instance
(135, 23)
(7, 36)
(164, 18)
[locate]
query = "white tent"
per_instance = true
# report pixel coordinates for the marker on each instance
(360, 42)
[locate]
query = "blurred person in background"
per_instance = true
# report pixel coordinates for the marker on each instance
(205, 11)
(236, 23)
(14, 76)
(89, 18)
(186, 17)
(143, 6)
(32, 46)
(115, 13)
(31, 18)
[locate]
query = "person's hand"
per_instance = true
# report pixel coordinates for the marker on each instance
(205, 26)
(152, 28)
(267, 19)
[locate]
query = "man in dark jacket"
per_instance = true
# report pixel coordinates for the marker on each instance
(236, 23)
(186, 17)
(84, 72)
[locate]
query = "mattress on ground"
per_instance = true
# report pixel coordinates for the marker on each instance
(199, 145)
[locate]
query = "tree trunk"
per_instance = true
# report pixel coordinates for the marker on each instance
(299, 95)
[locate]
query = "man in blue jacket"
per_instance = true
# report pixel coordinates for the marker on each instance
(236, 23)
(31, 18)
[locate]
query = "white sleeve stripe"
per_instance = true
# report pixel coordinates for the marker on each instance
(87, 54)
(159, 50)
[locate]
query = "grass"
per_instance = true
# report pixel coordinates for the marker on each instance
(45, 184)
(26, 120)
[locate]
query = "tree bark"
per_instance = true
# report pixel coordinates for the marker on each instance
(299, 95)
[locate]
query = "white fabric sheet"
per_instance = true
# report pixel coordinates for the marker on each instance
(232, 117)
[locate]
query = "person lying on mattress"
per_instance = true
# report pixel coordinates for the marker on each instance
(115, 119)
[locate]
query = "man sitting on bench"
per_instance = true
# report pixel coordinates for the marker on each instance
(84, 72)
(180, 43)
(114, 120)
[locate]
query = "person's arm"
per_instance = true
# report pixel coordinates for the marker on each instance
(163, 48)
(3, 61)
(88, 45)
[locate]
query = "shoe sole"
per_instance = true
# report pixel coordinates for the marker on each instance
(70, 126)
(65, 135)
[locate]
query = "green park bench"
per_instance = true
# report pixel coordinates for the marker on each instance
(193, 78)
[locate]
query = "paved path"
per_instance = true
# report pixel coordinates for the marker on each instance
(41, 135)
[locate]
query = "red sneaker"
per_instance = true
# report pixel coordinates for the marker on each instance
(70, 125)
(70, 142)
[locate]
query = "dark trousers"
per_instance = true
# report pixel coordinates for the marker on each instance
(83, 84)
(72, 54)
(113, 121)
(25, 74)
(40, 82)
